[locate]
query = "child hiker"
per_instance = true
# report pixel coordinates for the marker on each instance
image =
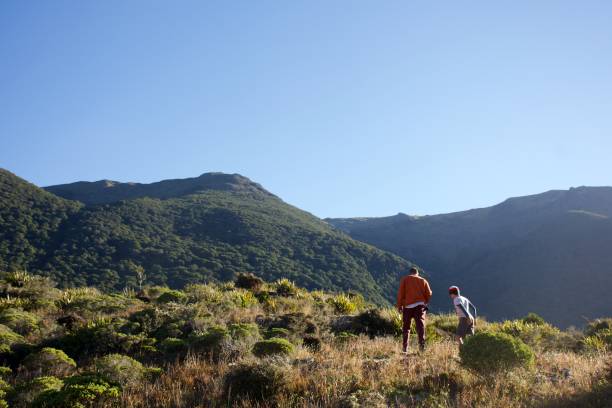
(462, 308)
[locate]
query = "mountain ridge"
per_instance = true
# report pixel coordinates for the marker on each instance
(108, 191)
(178, 232)
(472, 247)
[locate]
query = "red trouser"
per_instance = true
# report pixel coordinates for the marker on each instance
(418, 314)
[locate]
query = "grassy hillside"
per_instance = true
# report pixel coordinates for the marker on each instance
(206, 228)
(540, 253)
(252, 343)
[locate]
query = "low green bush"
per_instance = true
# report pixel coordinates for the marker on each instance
(280, 332)
(488, 352)
(175, 296)
(599, 341)
(213, 342)
(538, 335)
(205, 293)
(7, 338)
(296, 323)
(598, 325)
(24, 395)
(273, 346)
(377, 322)
(255, 382)
(243, 298)
(342, 304)
(173, 345)
(19, 321)
(533, 318)
(120, 369)
(285, 287)
(244, 331)
(99, 338)
(81, 391)
(48, 362)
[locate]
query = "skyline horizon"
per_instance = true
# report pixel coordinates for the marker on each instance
(323, 217)
(367, 109)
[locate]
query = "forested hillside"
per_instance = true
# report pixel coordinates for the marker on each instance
(181, 231)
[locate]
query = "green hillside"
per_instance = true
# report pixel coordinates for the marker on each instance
(182, 231)
(548, 253)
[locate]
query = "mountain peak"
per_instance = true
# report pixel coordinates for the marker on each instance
(108, 191)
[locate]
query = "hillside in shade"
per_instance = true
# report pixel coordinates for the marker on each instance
(177, 232)
(548, 253)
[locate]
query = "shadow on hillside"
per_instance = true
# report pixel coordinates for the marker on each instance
(597, 398)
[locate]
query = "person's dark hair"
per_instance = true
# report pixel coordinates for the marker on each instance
(453, 290)
(414, 270)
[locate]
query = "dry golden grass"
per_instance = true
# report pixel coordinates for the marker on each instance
(372, 372)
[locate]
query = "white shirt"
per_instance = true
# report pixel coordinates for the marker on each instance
(463, 301)
(410, 306)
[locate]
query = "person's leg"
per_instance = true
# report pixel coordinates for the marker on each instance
(419, 319)
(405, 329)
(462, 330)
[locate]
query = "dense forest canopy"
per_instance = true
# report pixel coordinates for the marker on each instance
(215, 226)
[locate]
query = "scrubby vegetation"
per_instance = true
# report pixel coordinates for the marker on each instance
(275, 344)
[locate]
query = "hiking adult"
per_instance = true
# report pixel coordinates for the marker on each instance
(412, 299)
(467, 318)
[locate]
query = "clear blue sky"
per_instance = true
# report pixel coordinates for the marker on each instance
(343, 108)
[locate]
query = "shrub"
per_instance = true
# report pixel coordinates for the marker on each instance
(597, 326)
(244, 331)
(99, 338)
(17, 278)
(248, 281)
(48, 362)
(175, 296)
(19, 321)
(535, 335)
(257, 382)
(280, 332)
(173, 345)
(446, 323)
(273, 346)
(285, 287)
(8, 338)
(296, 323)
(342, 304)
(244, 298)
(535, 319)
(203, 293)
(487, 352)
(120, 369)
(25, 393)
(214, 342)
(80, 392)
(376, 322)
(600, 341)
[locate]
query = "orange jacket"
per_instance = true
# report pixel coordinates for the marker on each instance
(413, 289)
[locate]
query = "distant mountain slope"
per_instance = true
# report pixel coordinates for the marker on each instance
(550, 253)
(108, 191)
(30, 218)
(182, 231)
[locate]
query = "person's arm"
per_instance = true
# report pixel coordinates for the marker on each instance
(475, 314)
(400, 295)
(427, 292)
